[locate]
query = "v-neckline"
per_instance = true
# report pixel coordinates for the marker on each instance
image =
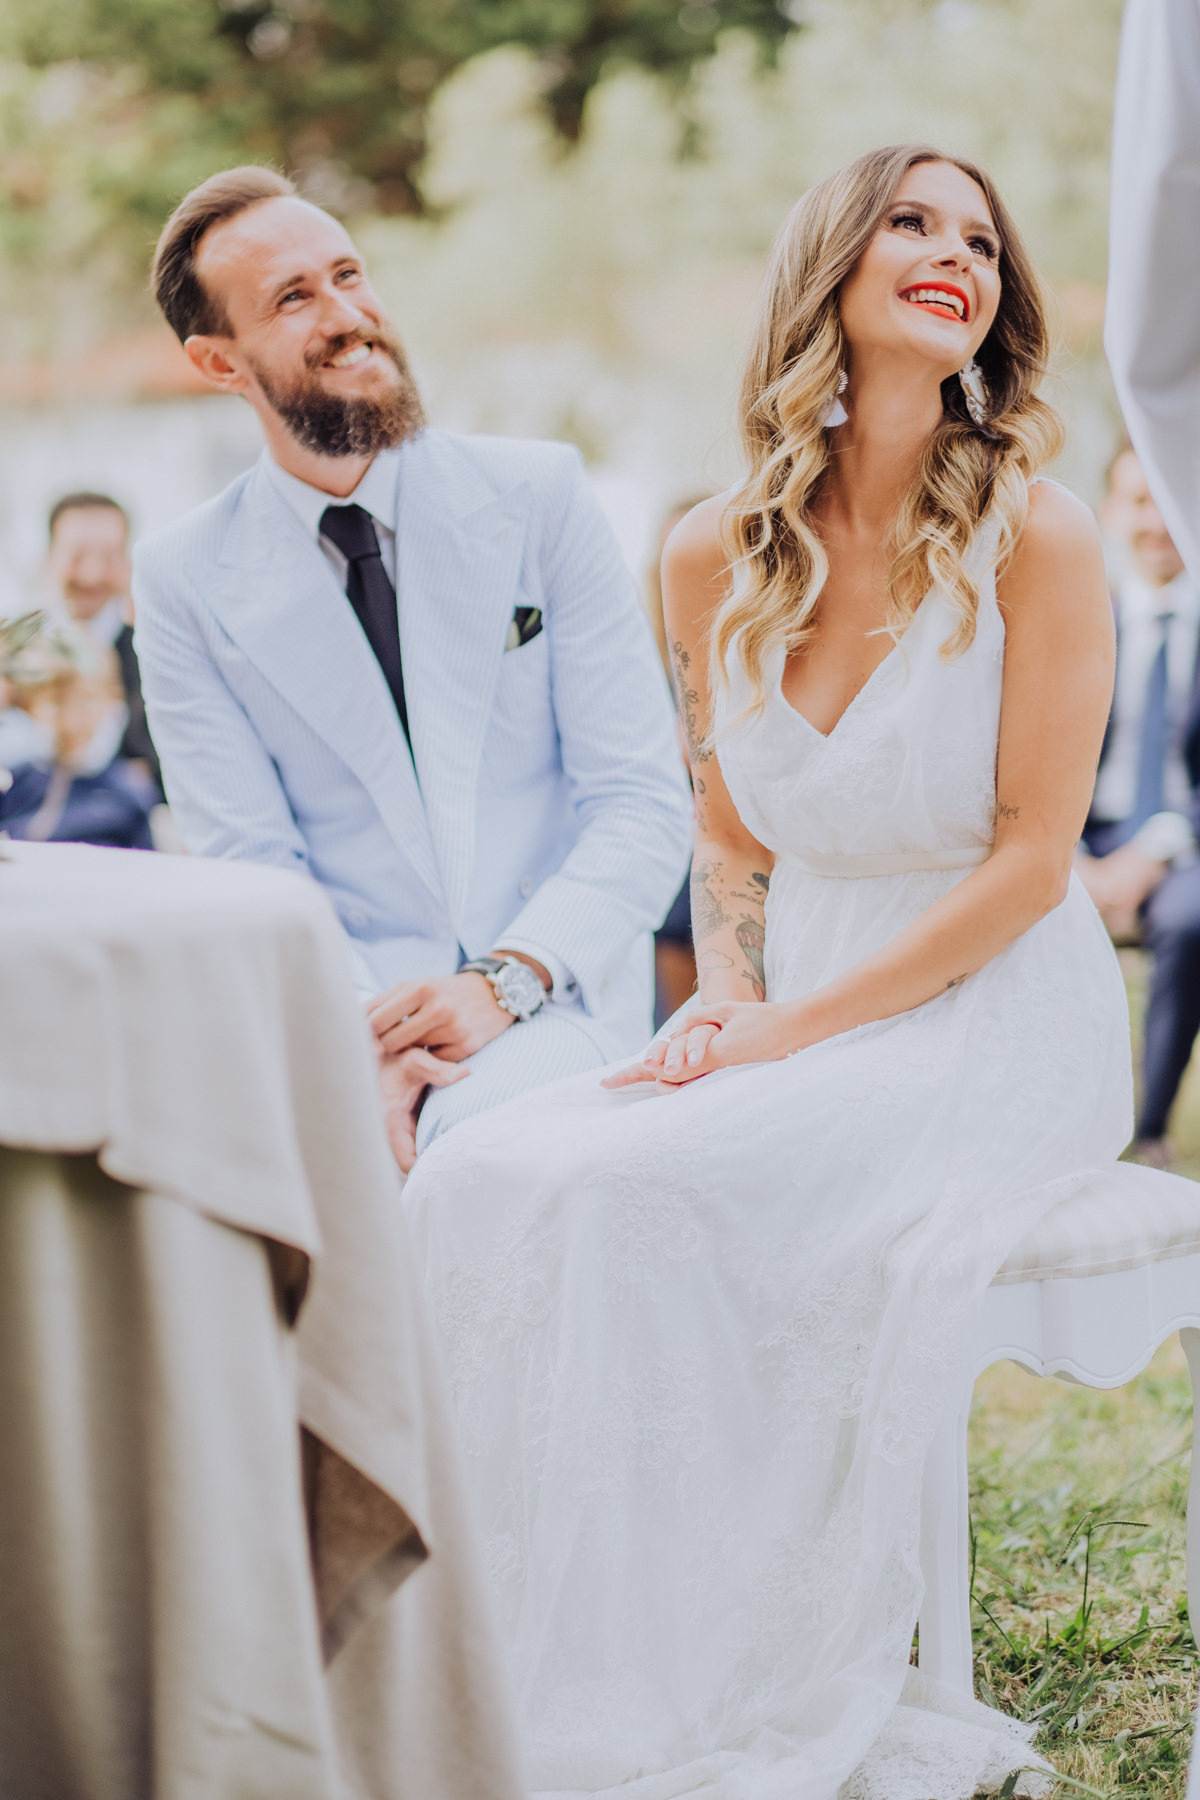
(850, 705)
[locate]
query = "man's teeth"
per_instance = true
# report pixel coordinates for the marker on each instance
(937, 297)
(348, 358)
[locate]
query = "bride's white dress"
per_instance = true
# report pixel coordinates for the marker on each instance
(699, 1342)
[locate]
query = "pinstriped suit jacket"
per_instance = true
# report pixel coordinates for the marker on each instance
(549, 799)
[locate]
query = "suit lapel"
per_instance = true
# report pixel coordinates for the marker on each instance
(458, 553)
(281, 604)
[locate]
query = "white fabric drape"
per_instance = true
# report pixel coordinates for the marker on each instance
(1152, 329)
(216, 1364)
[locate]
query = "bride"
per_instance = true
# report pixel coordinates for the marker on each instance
(700, 1318)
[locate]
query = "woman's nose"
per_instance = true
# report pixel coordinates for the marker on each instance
(954, 254)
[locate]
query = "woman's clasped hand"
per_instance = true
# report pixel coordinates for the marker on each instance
(707, 1038)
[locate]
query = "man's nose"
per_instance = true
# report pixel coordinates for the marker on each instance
(339, 313)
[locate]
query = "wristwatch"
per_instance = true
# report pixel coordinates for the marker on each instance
(517, 989)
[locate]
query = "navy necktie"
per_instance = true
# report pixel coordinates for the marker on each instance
(370, 593)
(1152, 745)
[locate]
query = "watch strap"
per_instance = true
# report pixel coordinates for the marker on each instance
(483, 965)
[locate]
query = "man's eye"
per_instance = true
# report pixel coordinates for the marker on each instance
(294, 295)
(348, 275)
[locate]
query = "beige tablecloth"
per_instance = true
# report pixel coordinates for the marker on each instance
(200, 1252)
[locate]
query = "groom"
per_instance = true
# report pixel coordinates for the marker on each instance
(412, 664)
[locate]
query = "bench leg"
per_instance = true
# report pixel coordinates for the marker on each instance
(1190, 1339)
(945, 1645)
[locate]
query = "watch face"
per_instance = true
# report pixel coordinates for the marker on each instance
(521, 988)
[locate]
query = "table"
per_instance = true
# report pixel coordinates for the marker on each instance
(235, 1557)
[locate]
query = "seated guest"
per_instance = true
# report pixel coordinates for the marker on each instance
(1140, 865)
(411, 664)
(88, 565)
(83, 791)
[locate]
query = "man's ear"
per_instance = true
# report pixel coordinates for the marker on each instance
(208, 356)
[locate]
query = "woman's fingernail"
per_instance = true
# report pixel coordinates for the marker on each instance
(695, 1056)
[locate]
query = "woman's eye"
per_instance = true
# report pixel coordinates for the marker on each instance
(907, 219)
(985, 247)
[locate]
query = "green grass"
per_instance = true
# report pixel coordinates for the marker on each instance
(1078, 1504)
(1078, 1508)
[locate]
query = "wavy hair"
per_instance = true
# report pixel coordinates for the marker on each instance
(778, 562)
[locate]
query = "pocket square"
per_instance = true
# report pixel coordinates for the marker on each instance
(523, 627)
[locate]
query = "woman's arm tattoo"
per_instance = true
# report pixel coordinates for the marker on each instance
(688, 700)
(751, 934)
(715, 908)
(752, 942)
(708, 911)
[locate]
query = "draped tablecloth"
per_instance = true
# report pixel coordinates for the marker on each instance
(235, 1561)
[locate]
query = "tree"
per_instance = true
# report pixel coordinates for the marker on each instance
(339, 91)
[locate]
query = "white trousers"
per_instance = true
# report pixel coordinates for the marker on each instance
(558, 1041)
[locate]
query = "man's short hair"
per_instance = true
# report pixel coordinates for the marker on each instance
(84, 502)
(186, 304)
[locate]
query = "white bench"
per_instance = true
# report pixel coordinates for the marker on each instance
(1089, 1296)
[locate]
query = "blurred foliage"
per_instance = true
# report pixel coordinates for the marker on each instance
(335, 90)
(608, 296)
(603, 294)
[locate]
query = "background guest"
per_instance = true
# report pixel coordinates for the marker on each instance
(1141, 868)
(84, 791)
(88, 564)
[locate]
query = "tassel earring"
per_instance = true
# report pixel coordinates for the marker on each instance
(836, 413)
(974, 391)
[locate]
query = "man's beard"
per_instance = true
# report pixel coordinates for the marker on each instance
(348, 424)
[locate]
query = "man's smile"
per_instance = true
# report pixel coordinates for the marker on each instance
(349, 359)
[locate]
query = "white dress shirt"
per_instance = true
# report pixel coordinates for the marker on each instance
(376, 494)
(103, 628)
(1139, 610)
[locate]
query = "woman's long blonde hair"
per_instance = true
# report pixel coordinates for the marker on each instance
(776, 556)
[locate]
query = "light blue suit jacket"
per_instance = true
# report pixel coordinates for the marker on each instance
(551, 804)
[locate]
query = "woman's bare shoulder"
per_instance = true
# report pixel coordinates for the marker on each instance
(1057, 519)
(1057, 566)
(695, 565)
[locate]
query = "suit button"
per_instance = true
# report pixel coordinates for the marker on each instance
(525, 886)
(355, 918)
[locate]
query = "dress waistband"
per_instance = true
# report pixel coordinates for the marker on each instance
(888, 862)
